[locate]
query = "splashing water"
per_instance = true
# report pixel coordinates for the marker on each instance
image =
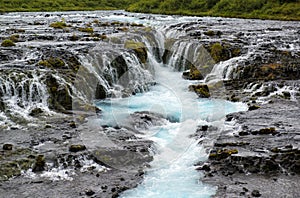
(172, 173)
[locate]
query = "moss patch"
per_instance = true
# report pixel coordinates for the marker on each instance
(139, 48)
(7, 43)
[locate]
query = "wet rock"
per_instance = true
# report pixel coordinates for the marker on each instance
(89, 192)
(36, 112)
(265, 131)
(7, 147)
(201, 90)
(222, 153)
(139, 48)
(39, 164)
(255, 193)
(77, 148)
(192, 74)
(100, 92)
(7, 43)
(253, 107)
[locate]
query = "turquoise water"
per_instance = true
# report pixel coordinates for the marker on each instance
(172, 173)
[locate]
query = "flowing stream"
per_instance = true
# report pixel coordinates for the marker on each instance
(172, 43)
(172, 172)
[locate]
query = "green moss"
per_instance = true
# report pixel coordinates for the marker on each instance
(52, 63)
(7, 43)
(192, 74)
(201, 90)
(216, 52)
(14, 37)
(139, 48)
(59, 25)
(86, 29)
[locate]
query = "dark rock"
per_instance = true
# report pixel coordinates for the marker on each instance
(36, 112)
(253, 107)
(7, 147)
(77, 148)
(192, 74)
(201, 90)
(89, 192)
(100, 92)
(39, 164)
(255, 193)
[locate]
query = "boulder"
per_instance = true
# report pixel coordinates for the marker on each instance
(201, 90)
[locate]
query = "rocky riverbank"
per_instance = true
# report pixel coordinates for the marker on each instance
(55, 65)
(69, 159)
(257, 154)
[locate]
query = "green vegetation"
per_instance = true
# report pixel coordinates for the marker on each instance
(7, 43)
(59, 25)
(86, 29)
(52, 63)
(139, 48)
(266, 9)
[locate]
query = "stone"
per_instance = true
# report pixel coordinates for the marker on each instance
(253, 107)
(39, 164)
(192, 74)
(201, 90)
(89, 192)
(255, 193)
(77, 148)
(7, 147)
(36, 112)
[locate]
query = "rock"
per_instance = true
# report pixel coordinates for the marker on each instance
(53, 62)
(222, 154)
(7, 147)
(77, 148)
(100, 92)
(72, 124)
(35, 112)
(89, 192)
(253, 107)
(39, 164)
(286, 95)
(201, 90)
(7, 43)
(255, 193)
(192, 74)
(139, 48)
(265, 131)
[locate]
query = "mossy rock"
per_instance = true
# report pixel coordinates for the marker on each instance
(139, 48)
(39, 164)
(222, 154)
(14, 37)
(52, 62)
(86, 29)
(36, 112)
(213, 33)
(8, 43)
(59, 25)
(201, 90)
(14, 161)
(192, 74)
(253, 107)
(77, 148)
(223, 51)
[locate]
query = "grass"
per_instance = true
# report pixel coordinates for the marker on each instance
(262, 9)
